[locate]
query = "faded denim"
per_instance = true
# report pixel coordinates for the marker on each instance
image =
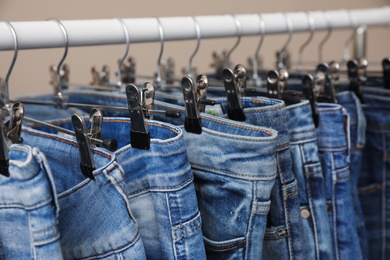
(334, 151)
(28, 208)
(94, 219)
(311, 185)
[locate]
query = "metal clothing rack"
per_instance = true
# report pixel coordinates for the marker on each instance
(46, 34)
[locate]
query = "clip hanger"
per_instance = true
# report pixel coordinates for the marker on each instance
(139, 133)
(195, 102)
(354, 79)
(386, 72)
(324, 89)
(233, 94)
(87, 163)
(10, 134)
(308, 93)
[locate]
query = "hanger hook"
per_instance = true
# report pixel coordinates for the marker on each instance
(161, 32)
(327, 36)
(290, 33)
(354, 24)
(126, 31)
(239, 34)
(16, 49)
(64, 32)
(312, 27)
(198, 37)
(256, 57)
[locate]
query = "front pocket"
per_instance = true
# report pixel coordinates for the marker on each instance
(228, 249)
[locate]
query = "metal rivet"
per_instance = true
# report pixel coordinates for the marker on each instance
(305, 213)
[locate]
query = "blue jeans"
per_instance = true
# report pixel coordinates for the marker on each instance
(284, 237)
(234, 168)
(357, 133)
(158, 184)
(28, 208)
(334, 148)
(375, 176)
(95, 219)
(311, 185)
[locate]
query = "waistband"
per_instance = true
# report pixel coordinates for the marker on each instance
(300, 123)
(228, 147)
(266, 112)
(333, 129)
(166, 140)
(352, 103)
(30, 184)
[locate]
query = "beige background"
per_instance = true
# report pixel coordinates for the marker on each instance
(31, 73)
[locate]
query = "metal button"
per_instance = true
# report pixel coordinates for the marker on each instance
(281, 232)
(305, 213)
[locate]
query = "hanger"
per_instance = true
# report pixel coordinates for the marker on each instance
(255, 77)
(354, 25)
(312, 27)
(386, 72)
(326, 38)
(198, 37)
(308, 93)
(282, 54)
(195, 102)
(323, 84)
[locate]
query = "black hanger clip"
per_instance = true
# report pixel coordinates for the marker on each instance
(10, 134)
(386, 72)
(87, 163)
(139, 133)
(94, 131)
(274, 88)
(195, 102)
(233, 94)
(323, 88)
(308, 93)
(355, 83)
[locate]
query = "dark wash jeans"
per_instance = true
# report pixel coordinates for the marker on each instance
(357, 131)
(311, 185)
(334, 150)
(374, 180)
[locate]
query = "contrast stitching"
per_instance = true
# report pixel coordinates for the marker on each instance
(188, 232)
(345, 170)
(303, 138)
(176, 228)
(260, 211)
(342, 178)
(371, 189)
(280, 168)
(112, 250)
(221, 250)
(239, 126)
(301, 132)
(228, 244)
(283, 146)
(162, 187)
(226, 171)
(45, 230)
(312, 173)
(236, 138)
(73, 191)
(288, 195)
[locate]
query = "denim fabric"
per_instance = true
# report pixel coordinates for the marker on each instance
(375, 176)
(234, 168)
(284, 237)
(94, 220)
(311, 185)
(334, 148)
(159, 186)
(357, 127)
(28, 208)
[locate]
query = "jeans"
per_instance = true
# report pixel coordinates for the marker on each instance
(284, 237)
(375, 176)
(234, 168)
(158, 184)
(28, 208)
(95, 219)
(357, 133)
(311, 185)
(334, 150)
